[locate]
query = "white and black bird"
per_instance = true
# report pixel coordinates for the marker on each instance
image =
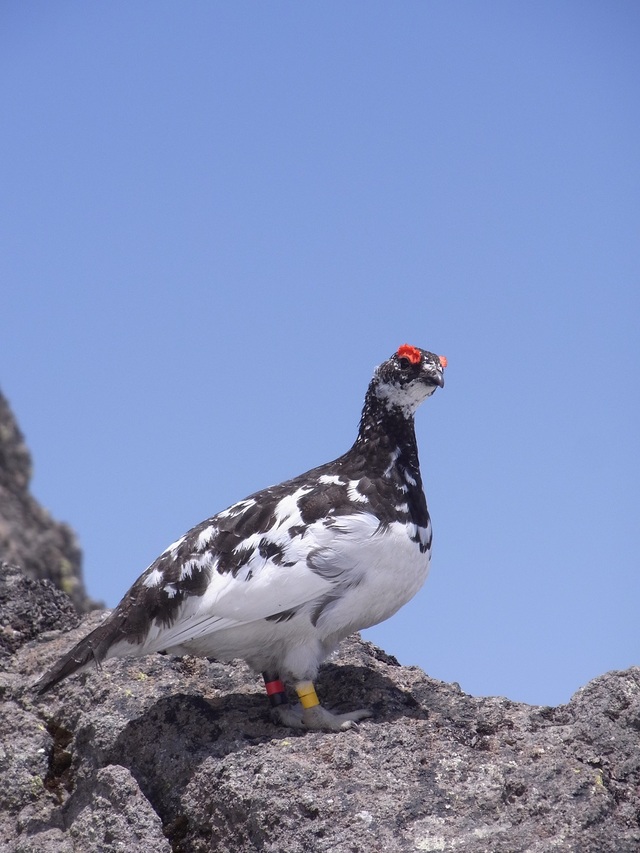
(280, 578)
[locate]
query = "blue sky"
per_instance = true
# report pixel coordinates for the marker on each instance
(217, 218)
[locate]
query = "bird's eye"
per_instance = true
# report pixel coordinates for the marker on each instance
(404, 363)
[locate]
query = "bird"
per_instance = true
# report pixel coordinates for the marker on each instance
(280, 578)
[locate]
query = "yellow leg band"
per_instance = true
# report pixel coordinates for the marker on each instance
(307, 694)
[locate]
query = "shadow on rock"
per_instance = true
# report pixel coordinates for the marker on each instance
(165, 746)
(343, 687)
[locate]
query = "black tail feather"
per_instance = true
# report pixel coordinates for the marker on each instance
(93, 647)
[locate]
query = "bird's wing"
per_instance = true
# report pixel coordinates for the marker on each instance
(264, 556)
(260, 589)
(220, 575)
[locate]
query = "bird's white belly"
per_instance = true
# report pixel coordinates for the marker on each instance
(390, 570)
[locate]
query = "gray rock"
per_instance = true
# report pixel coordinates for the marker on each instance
(175, 754)
(25, 613)
(29, 537)
(112, 815)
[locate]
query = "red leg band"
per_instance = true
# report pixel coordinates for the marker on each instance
(276, 691)
(274, 687)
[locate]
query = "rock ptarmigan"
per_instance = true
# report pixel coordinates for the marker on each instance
(281, 577)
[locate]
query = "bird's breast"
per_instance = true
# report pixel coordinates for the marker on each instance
(383, 569)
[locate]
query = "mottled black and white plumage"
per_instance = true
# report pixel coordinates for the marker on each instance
(281, 577)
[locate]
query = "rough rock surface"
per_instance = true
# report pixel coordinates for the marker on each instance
(29, 537)
(175, 754)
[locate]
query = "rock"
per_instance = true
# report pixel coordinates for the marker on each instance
(162, 753)
(29, 537)
(25, 613)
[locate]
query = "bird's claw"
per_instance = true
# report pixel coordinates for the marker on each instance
(318, 718)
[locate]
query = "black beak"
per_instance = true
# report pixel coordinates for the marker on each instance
(435, 376)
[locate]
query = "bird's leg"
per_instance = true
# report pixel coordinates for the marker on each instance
(281, 711)
(314, 716)
(276, 691)
(309, 714)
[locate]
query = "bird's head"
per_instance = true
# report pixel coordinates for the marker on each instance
(407, 378)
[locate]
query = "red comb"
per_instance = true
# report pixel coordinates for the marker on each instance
(411, 353)
(443, 360)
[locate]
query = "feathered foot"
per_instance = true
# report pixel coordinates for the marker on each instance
(309, 714)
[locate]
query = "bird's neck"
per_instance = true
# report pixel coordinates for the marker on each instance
(386, 436)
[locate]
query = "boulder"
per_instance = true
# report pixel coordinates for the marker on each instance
(29, 536)
(180, 754)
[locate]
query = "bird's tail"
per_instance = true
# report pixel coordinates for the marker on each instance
(93, 648)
